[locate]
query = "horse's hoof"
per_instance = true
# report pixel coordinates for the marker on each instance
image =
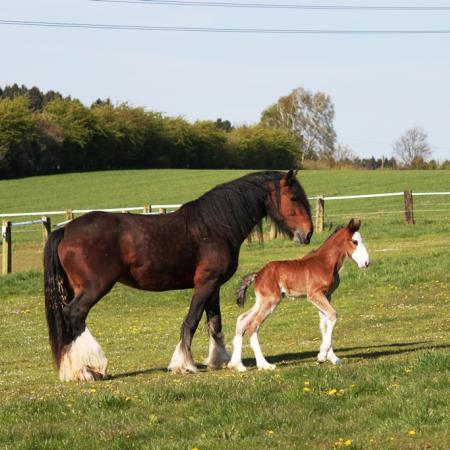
(239, 367)
(321, 358)
(337, 362)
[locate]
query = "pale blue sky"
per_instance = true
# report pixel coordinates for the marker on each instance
(380, 85)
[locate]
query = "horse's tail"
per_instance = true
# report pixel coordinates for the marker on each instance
(242, 289)
(57, 295)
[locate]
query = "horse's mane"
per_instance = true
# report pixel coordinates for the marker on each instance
(231, 210)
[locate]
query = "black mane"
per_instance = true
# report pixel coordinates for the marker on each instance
(231, 210)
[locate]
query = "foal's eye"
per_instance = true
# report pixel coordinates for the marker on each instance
(355, 242)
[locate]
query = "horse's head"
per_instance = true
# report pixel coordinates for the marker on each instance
(355, 248)
(289, 208)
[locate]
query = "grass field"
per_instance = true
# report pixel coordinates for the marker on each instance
(392, 391)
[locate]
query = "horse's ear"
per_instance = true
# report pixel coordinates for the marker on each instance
(290, 176)
(353, 226)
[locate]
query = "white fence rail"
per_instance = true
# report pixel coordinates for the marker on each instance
(176, 206)
(45, 220)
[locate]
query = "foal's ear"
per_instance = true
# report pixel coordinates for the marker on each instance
(290, 176)
(353, 226)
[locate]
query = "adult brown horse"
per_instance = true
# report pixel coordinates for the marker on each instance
(195, 247)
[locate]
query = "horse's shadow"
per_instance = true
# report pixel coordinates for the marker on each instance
(291, 359)
(366, 352)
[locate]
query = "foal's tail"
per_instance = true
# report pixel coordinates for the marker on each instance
(242, 289)
(57, 295)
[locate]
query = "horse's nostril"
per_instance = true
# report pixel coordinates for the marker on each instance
(308, 236)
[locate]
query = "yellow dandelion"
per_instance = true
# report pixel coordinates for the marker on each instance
(412, 432)
(348, 442)
(306, 383)
(332, 391)
(306, 389)
(270, 433)
(93, 390)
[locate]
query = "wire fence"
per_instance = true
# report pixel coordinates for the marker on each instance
(30, 235)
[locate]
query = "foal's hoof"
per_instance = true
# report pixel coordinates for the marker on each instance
(336, 362)
(321, 358)
(239, 367)
(267, 366)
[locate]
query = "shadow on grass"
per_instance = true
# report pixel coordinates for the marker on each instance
(287, 359)
(367, 352)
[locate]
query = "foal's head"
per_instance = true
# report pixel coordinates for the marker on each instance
(354, 247)
(289, 208)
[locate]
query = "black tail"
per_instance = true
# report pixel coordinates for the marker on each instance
(242, 289)
(57, 295)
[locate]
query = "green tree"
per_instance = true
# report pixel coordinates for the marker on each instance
(308, 116)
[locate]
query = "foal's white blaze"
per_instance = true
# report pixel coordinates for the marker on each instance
(83, 360)
(360, 255)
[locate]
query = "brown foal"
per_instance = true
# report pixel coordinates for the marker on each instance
(315, 276)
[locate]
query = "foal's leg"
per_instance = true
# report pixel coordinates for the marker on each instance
(217, 356)
(182, 358)
(241, 325)
(323, 328)
(327, 324)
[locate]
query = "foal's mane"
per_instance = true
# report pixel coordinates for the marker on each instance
(231, 210)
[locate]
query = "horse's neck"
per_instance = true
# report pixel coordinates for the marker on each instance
(333, 254)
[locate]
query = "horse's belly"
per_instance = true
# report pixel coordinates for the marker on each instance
(151, 280)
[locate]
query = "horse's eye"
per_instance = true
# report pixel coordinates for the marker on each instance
(294, 199)
(355, 242)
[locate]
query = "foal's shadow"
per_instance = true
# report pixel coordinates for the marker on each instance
(366, 352)
(290, 359)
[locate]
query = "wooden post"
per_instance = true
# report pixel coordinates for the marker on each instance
(320, 214)
(409, 213)
(162, 211)
(6, 248)
(147, 209)
(46, 229)
(69, 214)
(273, 231)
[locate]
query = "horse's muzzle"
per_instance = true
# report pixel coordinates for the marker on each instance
(302, 239)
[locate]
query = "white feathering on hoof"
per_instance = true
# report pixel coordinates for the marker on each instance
(218, 357)
(181, 361)
(83, 360)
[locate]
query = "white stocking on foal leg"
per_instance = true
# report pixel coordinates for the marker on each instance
(326, 350)
(83, 359)
(261, 362)
(241, 325)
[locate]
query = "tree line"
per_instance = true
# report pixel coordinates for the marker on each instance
(42, 133)
(46, 132)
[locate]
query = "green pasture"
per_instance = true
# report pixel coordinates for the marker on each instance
(392, 392)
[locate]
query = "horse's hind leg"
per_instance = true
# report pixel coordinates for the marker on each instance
(250, 322)
(217, 356)
(82, 358)
(182, 358)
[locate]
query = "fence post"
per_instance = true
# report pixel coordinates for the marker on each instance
(320, 214)
(6, 248)
(46, 229)
(162, 210)
(69, 214)
(409, 213)
(273, 231)
(147, 209)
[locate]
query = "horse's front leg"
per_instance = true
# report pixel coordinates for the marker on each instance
(330, 356)
(217, 355)
(182, 358)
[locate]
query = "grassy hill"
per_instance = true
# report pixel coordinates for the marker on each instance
(391, 392)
